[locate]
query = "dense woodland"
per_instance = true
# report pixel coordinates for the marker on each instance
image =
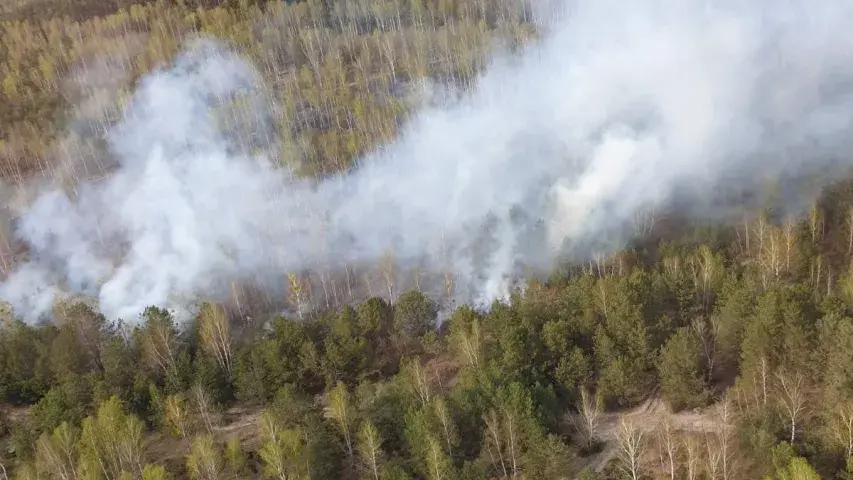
(706, 352)
(340, 78)
(744, 333)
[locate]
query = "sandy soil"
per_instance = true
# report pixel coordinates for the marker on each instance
(648, 416)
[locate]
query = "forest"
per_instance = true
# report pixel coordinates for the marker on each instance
(700, 351)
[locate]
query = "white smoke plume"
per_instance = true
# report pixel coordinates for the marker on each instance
(621, 107)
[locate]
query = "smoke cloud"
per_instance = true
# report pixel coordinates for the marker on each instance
(620, 108)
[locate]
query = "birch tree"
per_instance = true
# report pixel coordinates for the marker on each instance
(792, 399)
(176, 414)
(297, 294)
(494, 444)
(841, 426)
(203, 406)
(449, 432)
(160, 339)
(388, 269)
(204, 461)
(668, 447)
(438, 463)
(416, 379)
(849, 222)
(215, 336)
(466, 338)
(55, 452)
(370, 449)
(512, 432)
(631, 445)
(155, 472)
(693, 457)
(236, 462)
(707, 274)
(720, 444)
(112, 441)
(590, 408)
(282, 449)
(341, 412)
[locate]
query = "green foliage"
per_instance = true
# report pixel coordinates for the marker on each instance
(274, 361)
(414, 314)
(282, 450)
(486, 399)
(679, 366)
(68, 402)
(375, 317)
(68, 360)
(205, 459)
(208, 374)
(716, 309)
(111, 440)
(118, 361)
(369, 448)
(347, 351)
(236, 462)
(797, 469)
(836, 357)
(25, 359)
(22, 440)
(294, 410)
(155, 472)
(55, 451)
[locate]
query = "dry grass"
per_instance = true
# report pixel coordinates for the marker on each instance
(648, 416)
(240, 423)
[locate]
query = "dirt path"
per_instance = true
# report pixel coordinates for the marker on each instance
(237, 423)
(648, 416)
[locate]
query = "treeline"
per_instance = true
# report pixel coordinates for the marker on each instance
(752, 322)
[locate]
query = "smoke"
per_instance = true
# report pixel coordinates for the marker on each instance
(622, 107)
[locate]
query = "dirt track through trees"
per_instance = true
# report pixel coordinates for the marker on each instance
(648, 416)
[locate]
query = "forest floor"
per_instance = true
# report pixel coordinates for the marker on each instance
(237, 422)
(648, 416)
(242, 423)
